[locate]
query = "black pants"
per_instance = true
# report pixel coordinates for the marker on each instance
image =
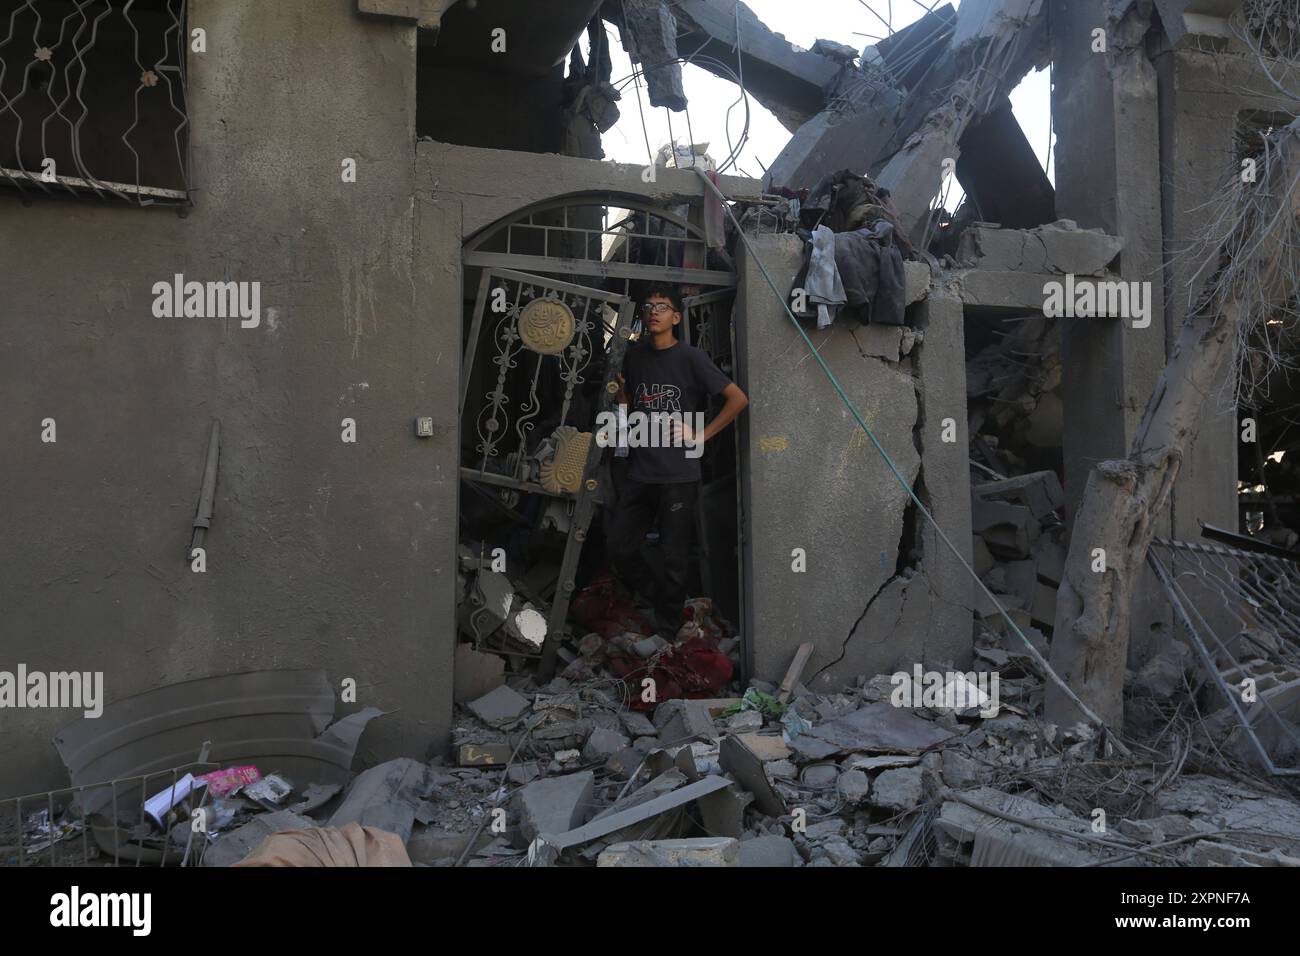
(638, 506)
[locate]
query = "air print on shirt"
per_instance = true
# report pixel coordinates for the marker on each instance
(657, 422)
(659, 398)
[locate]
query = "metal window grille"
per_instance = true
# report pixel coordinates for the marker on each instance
(93, 100)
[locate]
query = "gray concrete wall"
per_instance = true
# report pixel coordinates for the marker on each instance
(321, 553)
(813, 481)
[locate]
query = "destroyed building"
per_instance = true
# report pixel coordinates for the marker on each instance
(310, 310)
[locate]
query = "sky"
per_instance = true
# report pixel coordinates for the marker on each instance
(802, 22)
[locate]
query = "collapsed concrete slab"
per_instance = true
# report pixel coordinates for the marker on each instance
(789, 81)
(387, 796)
(860, 125)
(994, 44)
(1059, 248)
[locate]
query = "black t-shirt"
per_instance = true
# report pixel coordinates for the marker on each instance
(676, 379)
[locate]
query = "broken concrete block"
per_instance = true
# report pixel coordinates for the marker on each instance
(1043, 611)
(386, 796)
(768, 851)
(551, 805)
(742, 757)
(500, 706)
(638, 724)
(820, 776)
(854, 785)
(747, 721)
(522, 773)
(825, 829)
(1008, 530)
(1051, 561)
(1022, 579)
(780, 770)
(603, 744)
(899, 789)
(700, 851)
(624, 763)
(679, 721)
(476, 673)
(960, 772)
(1014, 250)
(1069, 249)
(840, 853)
(917, 282)
(651, 34)
(765, 746)
(723, 812)
(1039, 491)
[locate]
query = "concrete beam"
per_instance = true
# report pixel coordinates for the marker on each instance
(1009, 33)
(867, 121)
(1019, 292)
(424, 13)
(1200, 17)
(492, 183)
(1001, 174)
(536, 40)
(790, 82)
(1061, 248)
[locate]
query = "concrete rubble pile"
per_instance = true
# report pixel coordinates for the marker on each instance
(1019, 547)
(879, 774)
(922, 767)
(1013, 397)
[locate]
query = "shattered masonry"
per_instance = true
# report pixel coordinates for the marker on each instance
(344, 571)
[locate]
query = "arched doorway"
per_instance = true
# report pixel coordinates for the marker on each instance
(551, 315)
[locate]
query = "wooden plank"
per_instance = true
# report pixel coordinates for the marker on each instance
(795, 670)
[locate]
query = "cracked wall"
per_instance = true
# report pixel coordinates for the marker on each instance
(879, 587)
(335, 554)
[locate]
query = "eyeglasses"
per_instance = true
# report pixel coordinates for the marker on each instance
(657, 308)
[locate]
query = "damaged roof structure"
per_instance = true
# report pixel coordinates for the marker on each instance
(312, 538)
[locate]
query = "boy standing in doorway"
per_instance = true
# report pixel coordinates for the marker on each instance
(666, 383)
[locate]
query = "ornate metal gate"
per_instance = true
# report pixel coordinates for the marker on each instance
(542, 352)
